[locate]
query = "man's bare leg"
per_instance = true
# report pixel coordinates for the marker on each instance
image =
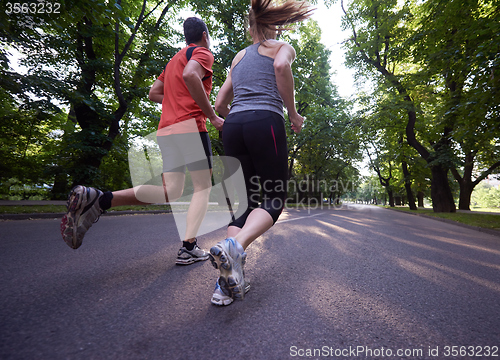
(202, 183)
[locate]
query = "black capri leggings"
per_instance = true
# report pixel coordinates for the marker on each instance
(258, 140)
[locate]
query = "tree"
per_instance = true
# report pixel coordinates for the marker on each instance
(435, 55)
(371, 191)
(382, 134)
(380, 29)
(327, 145)
(98, 59)
(459, 47)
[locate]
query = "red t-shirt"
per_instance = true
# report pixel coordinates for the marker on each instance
(178, 105)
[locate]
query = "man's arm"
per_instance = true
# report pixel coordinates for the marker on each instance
(284, 81)
(156, 92)
(193, 75)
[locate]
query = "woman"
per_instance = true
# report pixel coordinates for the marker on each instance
(259, 82)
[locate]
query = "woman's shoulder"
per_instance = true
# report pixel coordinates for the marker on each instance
(273, 47)
(238, 57)
(277, 43)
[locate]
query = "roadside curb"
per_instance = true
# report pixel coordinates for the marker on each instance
(33, 216)
(488, 231)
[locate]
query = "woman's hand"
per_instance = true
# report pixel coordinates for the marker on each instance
(296, 121)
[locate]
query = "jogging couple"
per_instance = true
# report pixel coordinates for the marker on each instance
(251, 100)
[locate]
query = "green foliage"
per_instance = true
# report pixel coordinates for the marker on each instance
(226, 20)
(370, 191)
(328, 146)
(434, 64)
(117, 172)
(29, 137)
(96, 60)
(458, 46)
(486, 196)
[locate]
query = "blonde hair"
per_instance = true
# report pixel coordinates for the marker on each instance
(265, 16)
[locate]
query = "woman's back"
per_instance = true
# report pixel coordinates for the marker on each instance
(254, 81)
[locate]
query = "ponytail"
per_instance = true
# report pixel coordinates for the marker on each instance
(265, 17)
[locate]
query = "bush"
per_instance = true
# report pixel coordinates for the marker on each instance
(486, 196)
(13, 189)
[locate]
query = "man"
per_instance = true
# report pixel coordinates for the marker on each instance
(183, 89)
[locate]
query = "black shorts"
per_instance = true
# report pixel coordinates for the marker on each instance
(191, 150)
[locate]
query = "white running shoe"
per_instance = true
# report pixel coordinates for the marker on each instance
(229, 257)
(186, 257)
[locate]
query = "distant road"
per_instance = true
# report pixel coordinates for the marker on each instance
(361, 282)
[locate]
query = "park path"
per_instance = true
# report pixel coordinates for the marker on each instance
(352, 283)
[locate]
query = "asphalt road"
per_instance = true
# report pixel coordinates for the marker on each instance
(360, 282)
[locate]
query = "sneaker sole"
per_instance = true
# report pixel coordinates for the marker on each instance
(190, 260)
(216, 300)
(227, 282)
(69, 222)
(221, 302)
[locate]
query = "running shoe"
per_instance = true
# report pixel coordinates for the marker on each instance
(186, 257)
(220, 299)
(83, 211)
(229, 257)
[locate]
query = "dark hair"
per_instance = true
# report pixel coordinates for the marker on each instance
(193, 29)
(264, 16)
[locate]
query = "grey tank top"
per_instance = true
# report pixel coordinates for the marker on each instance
(254, 83)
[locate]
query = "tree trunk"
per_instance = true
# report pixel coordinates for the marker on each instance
(466, 188)
(91, 152)
(60, 189)
(409, 193)
(420, 197)
(290, 168)
(391, 197)
(465, 182)
(442, 198)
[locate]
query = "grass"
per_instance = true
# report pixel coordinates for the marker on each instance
(487, 221)
(35, 209)
(31, 209)
(495, 210)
